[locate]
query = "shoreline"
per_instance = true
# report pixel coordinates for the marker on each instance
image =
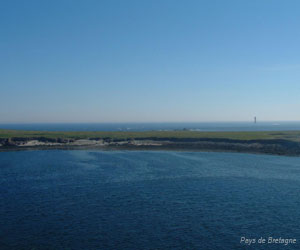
(285, 143)
(256, 147)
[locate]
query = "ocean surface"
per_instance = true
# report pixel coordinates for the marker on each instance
(147, 200)
(204, 126)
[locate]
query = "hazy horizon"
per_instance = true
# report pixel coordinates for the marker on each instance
(149, 61)
(152, 122)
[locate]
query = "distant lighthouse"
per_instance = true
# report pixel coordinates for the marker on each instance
(254, 119)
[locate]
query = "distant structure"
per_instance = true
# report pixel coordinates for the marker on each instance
(254, 119)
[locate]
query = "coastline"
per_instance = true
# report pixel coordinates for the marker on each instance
(271, 147)
(260, 142)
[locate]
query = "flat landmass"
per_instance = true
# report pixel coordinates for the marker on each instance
(267, 142)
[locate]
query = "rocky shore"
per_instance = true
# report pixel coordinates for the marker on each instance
(273, 146)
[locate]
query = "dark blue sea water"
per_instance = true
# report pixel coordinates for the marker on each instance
(146, 200)
(204, 126)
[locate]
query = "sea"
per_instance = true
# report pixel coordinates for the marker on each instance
(93, 199)
(194, 126)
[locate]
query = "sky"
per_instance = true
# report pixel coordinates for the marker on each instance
(149, 60)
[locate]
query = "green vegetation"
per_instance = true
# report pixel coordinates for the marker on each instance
(264, 135)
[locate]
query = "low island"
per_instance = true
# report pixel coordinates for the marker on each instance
(267, 142)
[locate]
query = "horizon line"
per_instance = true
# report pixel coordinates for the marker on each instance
(148, 122)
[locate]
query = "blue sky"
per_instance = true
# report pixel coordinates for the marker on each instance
(149, 61)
